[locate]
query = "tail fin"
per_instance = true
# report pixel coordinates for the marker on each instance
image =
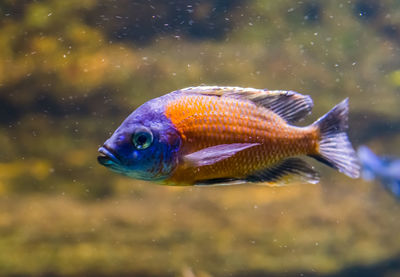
(335, 148)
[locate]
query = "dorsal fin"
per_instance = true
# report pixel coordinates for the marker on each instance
(290, 105)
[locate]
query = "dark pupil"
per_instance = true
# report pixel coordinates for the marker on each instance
(141, 139)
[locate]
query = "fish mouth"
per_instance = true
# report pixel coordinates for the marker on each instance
(106, 157)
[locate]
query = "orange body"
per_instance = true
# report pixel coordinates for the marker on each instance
(205, 121)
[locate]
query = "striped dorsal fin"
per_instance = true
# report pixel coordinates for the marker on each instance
(290, 105)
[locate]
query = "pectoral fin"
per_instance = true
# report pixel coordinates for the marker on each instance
(213, 154)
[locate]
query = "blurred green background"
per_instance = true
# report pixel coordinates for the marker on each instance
(71, 71)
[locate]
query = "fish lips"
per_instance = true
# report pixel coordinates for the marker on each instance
(107, 158)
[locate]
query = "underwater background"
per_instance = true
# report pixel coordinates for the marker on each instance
(71, 71)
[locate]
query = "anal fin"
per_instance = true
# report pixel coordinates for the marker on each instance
(287, 171)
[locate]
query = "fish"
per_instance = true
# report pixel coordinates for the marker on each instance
(384, 169)
(212, 135)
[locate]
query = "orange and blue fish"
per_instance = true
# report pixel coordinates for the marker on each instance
(211, 135)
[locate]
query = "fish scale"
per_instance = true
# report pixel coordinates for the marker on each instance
(197, 120)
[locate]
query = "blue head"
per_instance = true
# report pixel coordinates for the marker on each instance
(145, 146)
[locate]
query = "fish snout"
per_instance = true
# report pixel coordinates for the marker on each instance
(107, 157)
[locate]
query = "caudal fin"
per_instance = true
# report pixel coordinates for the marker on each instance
(335, 148)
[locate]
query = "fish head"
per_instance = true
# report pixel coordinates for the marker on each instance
(145, 146)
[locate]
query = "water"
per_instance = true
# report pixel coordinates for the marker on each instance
(71, 71)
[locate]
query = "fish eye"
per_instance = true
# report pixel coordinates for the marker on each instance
(142, 138)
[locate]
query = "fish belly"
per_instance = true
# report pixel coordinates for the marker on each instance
(205, 121)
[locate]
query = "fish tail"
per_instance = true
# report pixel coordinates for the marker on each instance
(334, 148)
